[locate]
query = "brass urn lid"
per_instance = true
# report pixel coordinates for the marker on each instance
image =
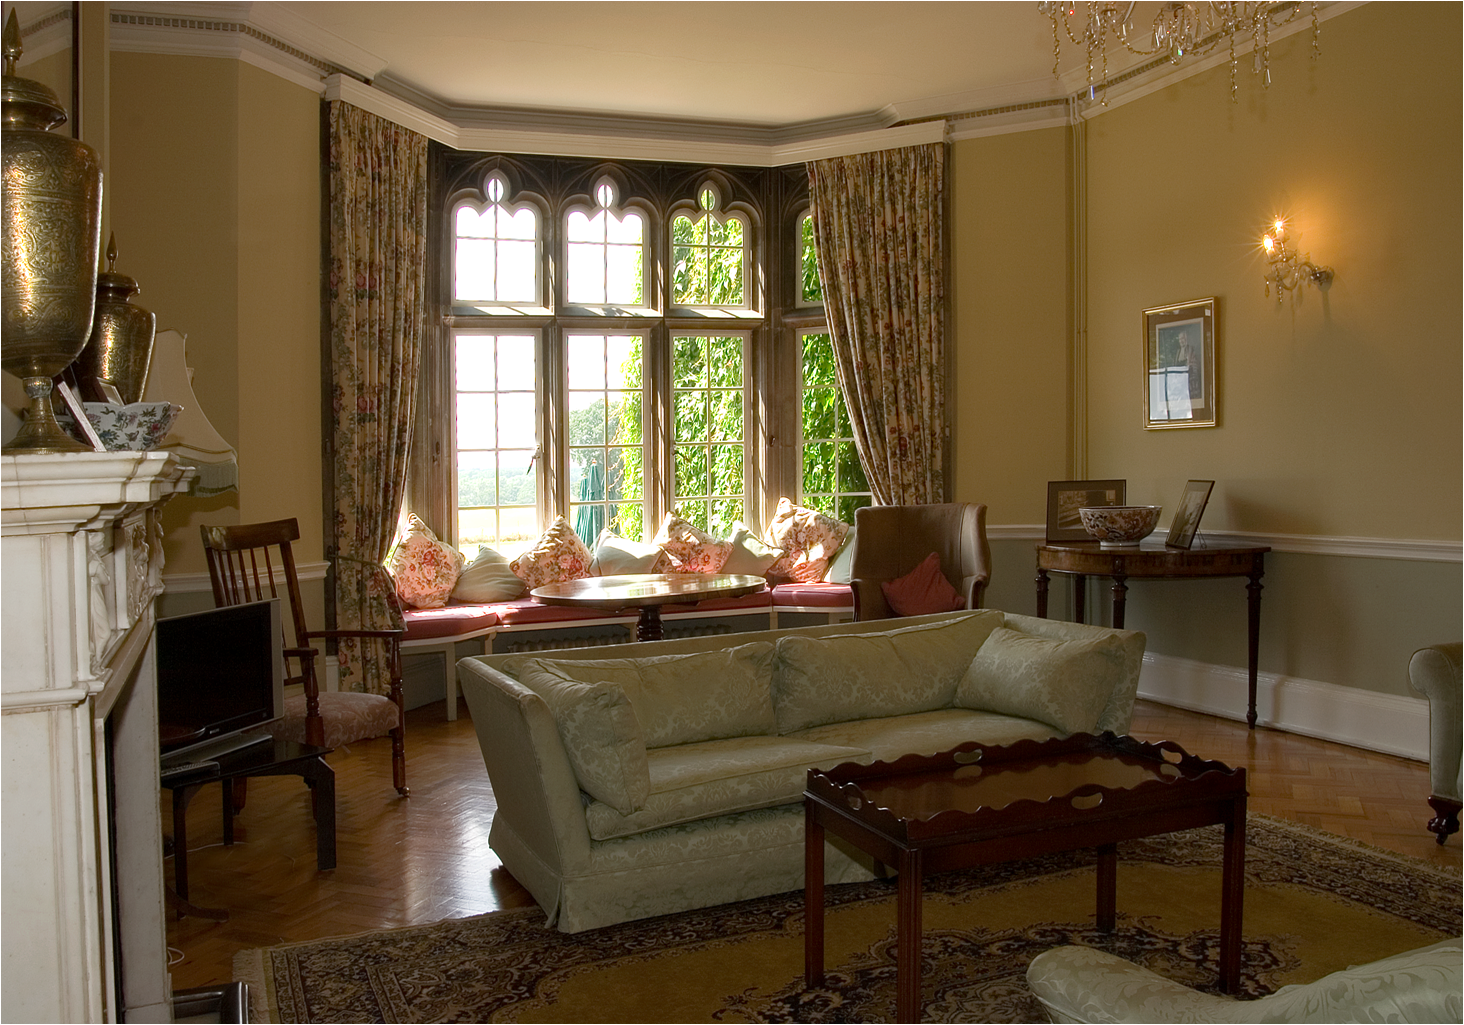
(110, 284)
(25, 104)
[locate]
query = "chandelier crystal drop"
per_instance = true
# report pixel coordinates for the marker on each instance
(1179, 30)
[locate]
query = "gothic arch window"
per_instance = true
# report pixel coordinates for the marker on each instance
(711, 253)
(605, 251)
(497, 249)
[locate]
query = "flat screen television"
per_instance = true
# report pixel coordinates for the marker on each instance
(220, 672)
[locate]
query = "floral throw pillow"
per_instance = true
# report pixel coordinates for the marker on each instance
(424, 569)
(692, 550)
(809, 539)
(559, 554)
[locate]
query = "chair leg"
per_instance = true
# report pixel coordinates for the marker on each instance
(399, 761)
(1446, 817)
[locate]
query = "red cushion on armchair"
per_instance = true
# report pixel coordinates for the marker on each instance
(923, 590)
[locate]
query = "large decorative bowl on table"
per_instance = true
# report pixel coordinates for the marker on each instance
(1120, 526)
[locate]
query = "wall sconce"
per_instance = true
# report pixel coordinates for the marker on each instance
(1287, 269)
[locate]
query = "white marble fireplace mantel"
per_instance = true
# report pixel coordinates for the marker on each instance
(82, 565)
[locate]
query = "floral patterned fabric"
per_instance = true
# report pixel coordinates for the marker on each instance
(424, 569)
(719, 777)
(879, 231)
(1063, 683)
(691, 549)
(559, 554)
(808, 538)
(377, 290)
(347, 717)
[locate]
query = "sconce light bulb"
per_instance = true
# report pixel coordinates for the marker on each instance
(1268, 243)
(1278, 227)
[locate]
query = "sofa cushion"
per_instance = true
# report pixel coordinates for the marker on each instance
(927, 733)
(601, 735)
(748, 554)
(923, 591)
(615, 555)
(688, 698)
(1065, 683)
(487, 579)
(839, 677)
(719, 777)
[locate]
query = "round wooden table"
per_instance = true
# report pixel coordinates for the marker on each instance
(646, 592)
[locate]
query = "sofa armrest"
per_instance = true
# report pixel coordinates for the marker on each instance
(1435, 672)
(534, 787)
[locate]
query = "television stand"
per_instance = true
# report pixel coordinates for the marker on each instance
(275, 758)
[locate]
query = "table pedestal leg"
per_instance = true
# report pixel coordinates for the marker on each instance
(1253, 639)
(908, 907)
(649, 627)
(813, 898)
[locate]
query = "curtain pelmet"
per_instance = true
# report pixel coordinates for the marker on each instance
(377, 290)
(879, 232)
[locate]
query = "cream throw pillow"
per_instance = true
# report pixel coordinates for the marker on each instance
(616, 555)
(601, 735)
(1065, 684)
(487, 579)
(749, 555)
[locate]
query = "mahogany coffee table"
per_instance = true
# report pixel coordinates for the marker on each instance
(977, 804)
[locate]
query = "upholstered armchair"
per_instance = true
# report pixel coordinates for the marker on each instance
(1435, 672)
(1080, 984)
(892, 540)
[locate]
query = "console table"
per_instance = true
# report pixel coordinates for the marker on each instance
(1157, 561)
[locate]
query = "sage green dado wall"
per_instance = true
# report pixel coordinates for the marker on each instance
(1340, 415)
(215, 199)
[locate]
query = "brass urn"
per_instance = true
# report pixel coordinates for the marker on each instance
(121, 342)
(52, 225)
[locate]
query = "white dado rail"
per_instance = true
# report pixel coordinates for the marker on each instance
(82, 566)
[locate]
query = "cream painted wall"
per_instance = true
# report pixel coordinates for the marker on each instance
(1339, 415)
(1011, 321)
(216, 204)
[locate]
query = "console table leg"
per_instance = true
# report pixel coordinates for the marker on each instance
(1120, 600)
(1107, 887)
(908, 934)
(813, 898)
(1080, 599)
(1041, 593)
(1253, 640)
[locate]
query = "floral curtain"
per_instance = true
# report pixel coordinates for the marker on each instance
(377, 291)
(879, 232)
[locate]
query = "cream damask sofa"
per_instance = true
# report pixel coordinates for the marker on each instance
(670, 776)
(1080, 984)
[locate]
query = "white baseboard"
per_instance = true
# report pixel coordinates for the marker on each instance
(1391, 723)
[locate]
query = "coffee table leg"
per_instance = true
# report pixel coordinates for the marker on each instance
(908, 932)
(1107, 887)
(813, 897)
(1232, 897)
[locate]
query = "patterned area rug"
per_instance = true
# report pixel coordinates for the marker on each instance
(1314, 903)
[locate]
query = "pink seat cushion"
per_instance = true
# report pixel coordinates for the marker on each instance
(922, 591)
(815, 594)
(448, 621)
(347, 716)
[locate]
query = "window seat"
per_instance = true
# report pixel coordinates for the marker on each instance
(504, 626)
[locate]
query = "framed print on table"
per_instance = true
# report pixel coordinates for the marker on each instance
(1066, 497)
(1179, 365)
(1187, 516)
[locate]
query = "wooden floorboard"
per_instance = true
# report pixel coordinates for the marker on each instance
(421, 859)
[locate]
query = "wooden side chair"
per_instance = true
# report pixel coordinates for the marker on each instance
(244, 562)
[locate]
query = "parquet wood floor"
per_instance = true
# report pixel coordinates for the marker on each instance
(417, 860)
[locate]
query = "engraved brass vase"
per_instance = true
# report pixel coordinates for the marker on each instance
(52, 226)
(121, 342)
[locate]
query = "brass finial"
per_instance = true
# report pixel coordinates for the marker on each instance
(13, 49)
(112, 253)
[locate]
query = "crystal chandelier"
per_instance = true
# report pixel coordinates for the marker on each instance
(1180, 30)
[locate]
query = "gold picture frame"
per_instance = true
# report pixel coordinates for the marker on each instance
(1179, 366)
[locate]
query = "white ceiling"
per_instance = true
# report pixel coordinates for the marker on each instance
(771, 65)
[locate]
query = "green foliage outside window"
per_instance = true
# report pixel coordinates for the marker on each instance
(833, 480)
(708, 381)
(706, 267)
(810, 287)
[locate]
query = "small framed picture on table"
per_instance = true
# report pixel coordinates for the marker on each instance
(1066, 497)
(1187, 514)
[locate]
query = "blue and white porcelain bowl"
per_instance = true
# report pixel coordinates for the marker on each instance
(1120, 526)
(136, 427)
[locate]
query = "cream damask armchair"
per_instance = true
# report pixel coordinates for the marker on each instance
(1435, 672)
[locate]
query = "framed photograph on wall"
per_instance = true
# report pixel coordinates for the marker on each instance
(1179, 365)
(1187, 514)
(1066, 497)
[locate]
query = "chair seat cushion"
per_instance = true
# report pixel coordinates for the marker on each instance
(348, 716)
